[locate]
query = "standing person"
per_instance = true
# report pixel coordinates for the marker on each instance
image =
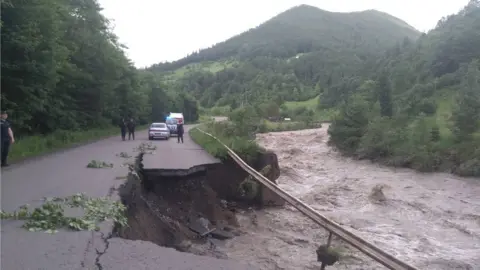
(131, 129)
(179, 132)
(7, 137)
(123, 128)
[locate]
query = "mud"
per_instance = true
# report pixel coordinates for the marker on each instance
(164, 214)
(431, 221)
(191, 210)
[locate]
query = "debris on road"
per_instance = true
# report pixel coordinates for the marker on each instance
(124, 155)
(99, 164)
(146, 148)
(51, 215)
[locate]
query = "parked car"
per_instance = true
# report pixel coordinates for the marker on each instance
(158, 130)
(172, 125)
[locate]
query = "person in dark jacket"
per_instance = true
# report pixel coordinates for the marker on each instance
(7, 137)
(179, 132)
(123, 128)
(131, 128)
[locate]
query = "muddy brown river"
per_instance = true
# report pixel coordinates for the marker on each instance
(430, 220)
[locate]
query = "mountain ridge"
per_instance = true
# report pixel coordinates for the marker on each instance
(303, 29)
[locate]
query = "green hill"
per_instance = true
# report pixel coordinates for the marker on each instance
(289, 57)
(307, 29)
(421, 107)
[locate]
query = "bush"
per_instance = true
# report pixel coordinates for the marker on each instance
(226, 132)
(285, 126)
(349, 126)
(416, 143)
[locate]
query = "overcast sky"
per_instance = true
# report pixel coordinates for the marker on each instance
(167, 30)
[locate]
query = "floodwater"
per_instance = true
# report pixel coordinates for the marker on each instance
(431, 221)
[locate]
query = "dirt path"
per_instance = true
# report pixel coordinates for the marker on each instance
(429, 220)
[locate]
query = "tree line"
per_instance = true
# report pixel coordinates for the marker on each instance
(420, 107)
(64, 69)
(290, 57)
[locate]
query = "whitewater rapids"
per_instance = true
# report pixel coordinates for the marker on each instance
(431, 221)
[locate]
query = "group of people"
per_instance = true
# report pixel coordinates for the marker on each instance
(127, 125)
(7, 137)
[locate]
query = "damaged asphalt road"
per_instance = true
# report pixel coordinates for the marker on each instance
(64, 174)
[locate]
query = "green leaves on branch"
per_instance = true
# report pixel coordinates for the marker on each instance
(124, 155)
(51, 215)
(99, 164)
(146, 148)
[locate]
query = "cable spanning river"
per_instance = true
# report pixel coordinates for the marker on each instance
(429, 220)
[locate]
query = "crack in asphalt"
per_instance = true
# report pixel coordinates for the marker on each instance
(87, 249)
(105, 237)
(100, 253)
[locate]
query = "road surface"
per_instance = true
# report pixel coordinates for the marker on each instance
(181, 156)
(64, 174)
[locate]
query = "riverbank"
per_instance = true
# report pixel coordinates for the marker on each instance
(429, 220)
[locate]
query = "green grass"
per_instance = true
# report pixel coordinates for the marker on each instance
(32, 146)
(217, 110)
(284, 126)
(245, 148)
(204, 118)
(445, 102)
(309, 104)
(312, 104)
(208, 143)
(210, 66)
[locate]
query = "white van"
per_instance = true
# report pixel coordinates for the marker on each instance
(178, 117)
(172, 121)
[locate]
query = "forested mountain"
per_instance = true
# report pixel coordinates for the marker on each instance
(290, 57)
(63, 69)
(421, 106)
(305, 29)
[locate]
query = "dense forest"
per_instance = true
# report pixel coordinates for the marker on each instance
(290, 57)
(421, 106)
(64, 69)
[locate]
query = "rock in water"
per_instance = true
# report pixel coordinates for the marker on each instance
(221, 234)
(201, 226)
(377, 194)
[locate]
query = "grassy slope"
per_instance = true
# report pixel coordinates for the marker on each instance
(38, 145)
(445, 101)
(309, 104)
(312, 104)
(211, 66)
(247, 149)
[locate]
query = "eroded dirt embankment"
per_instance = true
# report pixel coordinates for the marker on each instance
(191, 212)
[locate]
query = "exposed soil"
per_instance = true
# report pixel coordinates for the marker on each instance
(164, 215)
(192, 212)
(429, 220)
